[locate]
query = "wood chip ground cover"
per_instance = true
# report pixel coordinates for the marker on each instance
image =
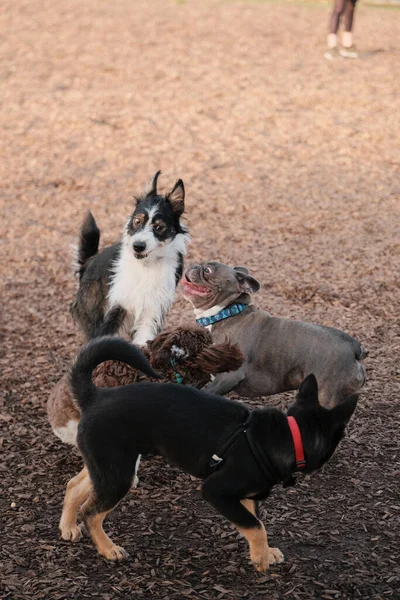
(291, 166)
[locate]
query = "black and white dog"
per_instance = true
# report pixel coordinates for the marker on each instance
(128, 288)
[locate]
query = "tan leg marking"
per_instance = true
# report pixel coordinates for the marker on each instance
(78, 489)
(258, 545)
(250, 505)
(103, 543)
(261, 555)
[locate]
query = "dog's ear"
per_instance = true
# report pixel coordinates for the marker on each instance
(241, 270)
(150, 188)
(248, 284)
(220, 358)
(343, 411)
(176, 198)
(308, 391)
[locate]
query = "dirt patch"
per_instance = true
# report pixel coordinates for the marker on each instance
(291, 167)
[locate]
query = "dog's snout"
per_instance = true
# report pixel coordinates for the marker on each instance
(139, 246)
(192, 270)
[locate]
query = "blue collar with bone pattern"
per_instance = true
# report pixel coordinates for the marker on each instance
(225, 313)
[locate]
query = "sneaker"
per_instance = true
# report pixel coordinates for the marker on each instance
(332, 54)
(348, 52)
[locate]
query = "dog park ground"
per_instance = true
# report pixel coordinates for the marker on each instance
(291, 167)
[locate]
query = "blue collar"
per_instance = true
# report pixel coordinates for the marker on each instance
(225, 313)
(178, 376)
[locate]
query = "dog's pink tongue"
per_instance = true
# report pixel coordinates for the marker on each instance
(193, 288)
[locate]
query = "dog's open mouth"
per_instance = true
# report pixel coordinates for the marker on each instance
(140, 255)
(194, 289)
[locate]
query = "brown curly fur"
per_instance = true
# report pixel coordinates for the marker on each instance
(195, 359)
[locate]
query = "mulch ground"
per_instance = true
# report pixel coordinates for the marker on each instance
(291, 167)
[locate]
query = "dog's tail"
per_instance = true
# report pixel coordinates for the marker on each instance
(88, 244)
(96, 352)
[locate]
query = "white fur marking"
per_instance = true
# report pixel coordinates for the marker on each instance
(136, 478)
(68, 433)
(146, 234)
(179, 352)
(146, 287)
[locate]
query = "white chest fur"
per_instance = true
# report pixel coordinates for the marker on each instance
(146, 288)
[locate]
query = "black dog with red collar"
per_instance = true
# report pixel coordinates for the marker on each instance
(239, 455)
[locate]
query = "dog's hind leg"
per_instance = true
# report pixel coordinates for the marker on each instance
(113, 321)
(226, 382)
(251, 506)
(103, 499)
(330, 393)
(78, 489)
(242, 513)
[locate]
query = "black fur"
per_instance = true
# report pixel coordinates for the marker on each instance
(167, 217)
(90, 307)
(95, 353)
(187, 427)
(88, 243)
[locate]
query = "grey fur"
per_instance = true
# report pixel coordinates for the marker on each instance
(279, 353)
(90, 304)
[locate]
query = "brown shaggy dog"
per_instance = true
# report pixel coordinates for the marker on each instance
(185, 355)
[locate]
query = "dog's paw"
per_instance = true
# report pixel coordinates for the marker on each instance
(261, 564)
(261, 561)
(271, 556)
(275, 556)
(115, 553)
(135, 482)
(71, 533)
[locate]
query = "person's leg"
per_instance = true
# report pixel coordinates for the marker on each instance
(338, 10)
(348, 50)
(349, 16)
(334, 21)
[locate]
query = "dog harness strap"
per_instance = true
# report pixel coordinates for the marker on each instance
(217, 459)
(262, 460)
(225, 313)
(297, 443)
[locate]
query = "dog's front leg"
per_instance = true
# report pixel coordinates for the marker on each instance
(146, 330)
(243, 514)
(226, 382)
(113, 321)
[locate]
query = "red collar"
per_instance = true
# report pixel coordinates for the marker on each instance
(297, 442)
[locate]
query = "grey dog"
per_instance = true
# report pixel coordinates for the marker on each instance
(279, 353)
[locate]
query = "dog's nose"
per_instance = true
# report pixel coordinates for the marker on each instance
(139, 246)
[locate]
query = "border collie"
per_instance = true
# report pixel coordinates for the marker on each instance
(127, 289)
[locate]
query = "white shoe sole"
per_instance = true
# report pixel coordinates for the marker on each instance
(345, 54)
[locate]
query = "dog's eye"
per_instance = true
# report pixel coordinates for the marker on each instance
(207, 270)
(159, 228)
(136, 222)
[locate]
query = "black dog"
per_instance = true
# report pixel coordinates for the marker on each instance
(128, 288)
(239, 454)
